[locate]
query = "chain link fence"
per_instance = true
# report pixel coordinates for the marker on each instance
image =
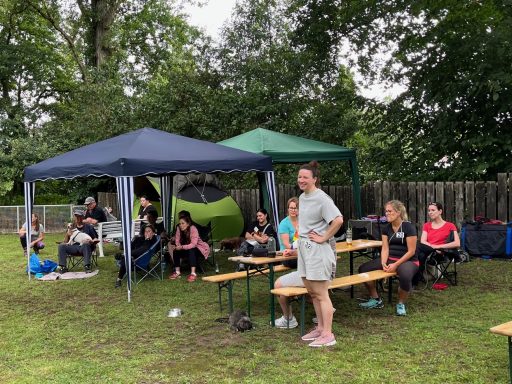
(53, 217)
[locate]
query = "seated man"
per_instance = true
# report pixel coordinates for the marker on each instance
(94, 213)
(85, 248)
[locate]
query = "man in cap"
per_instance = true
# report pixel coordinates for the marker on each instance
(94, 213)
(74, 247)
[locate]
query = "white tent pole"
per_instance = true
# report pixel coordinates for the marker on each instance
(28, 188)
(271, 189)
(125, 197)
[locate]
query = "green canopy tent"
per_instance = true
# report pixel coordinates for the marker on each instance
(284, 148)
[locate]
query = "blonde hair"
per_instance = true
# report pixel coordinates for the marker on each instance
(398, 206)
(293, 199)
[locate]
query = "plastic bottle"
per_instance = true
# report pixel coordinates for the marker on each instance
(349, 236)
(271, 246)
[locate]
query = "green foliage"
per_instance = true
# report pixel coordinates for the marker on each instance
(453, 120)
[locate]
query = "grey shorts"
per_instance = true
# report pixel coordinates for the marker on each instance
(291, 279)
(316, 261)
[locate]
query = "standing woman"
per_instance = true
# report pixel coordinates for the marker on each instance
(398, 255)
(36, 234)
(319, 220)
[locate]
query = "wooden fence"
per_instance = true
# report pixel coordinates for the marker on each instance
(462, 199)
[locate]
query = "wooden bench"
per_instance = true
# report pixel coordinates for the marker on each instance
(109, 231)
(226, 281)
(505, 329)
(339, 282)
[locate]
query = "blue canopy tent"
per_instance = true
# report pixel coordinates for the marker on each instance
(142, 152)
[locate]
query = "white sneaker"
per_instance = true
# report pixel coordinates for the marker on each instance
(283, 323)
(315, 320)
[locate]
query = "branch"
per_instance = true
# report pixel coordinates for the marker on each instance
(48, 17)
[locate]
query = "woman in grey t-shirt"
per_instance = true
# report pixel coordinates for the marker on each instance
(319, 220)
(36, 234)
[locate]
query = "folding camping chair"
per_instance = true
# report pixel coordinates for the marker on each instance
(148, 263)
(74, 260)
(439, 263)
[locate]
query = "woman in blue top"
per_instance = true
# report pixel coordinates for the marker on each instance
(289, 229)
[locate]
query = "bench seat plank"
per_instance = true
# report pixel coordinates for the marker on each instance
(226, 281)
(504, 329)
(339, 282)
(239, 275)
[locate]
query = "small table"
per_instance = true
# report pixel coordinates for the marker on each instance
(359, 246)
(505, 329)
(261, 264)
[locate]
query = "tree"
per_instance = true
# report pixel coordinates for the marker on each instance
(454, 56)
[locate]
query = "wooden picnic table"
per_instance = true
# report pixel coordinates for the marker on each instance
(358, 248)
(260, 265)
(505, 329)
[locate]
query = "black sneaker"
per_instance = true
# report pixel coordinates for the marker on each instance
(87, 268)
(118, 283)
(63, 270)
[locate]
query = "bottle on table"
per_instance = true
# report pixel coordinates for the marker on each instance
(349, 236)
(271, 246)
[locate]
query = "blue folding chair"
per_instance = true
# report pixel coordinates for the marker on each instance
(148, 263)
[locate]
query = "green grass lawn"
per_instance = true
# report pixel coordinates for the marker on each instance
(85, 331)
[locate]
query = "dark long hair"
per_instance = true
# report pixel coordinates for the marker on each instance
(185, 235)
(36, 226)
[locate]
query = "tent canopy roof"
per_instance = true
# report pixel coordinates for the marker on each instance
(284, 148)
(147, 151)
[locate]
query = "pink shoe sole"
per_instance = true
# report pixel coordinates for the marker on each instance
(312, 335)
(323, 342)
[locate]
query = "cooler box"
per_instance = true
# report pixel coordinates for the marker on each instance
(487, 239)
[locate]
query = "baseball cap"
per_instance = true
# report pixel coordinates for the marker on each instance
(89, 200)
(78, 212)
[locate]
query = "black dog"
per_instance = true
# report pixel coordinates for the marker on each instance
(238, 321)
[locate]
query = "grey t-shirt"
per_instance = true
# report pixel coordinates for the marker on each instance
(33, 233)
(317, 210)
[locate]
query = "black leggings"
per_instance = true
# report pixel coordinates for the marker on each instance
(405, 271)
(191, 254)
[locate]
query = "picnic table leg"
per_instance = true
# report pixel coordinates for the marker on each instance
(302, 314)
(510, 357)
(272, 301)
(390, 291)
(248, 292)
(220, 296)
(351, 257)
(230, 296)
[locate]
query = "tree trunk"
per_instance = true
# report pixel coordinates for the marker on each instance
(103, 13)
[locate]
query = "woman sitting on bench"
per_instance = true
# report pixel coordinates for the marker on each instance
(436, 235)
(190, 245)
(398, 255)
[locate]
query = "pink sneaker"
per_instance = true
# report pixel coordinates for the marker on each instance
(191, 278)
(311, 335)
(324, 341)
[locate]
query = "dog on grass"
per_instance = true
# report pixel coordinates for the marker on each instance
(238, 321)
(231, 243)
